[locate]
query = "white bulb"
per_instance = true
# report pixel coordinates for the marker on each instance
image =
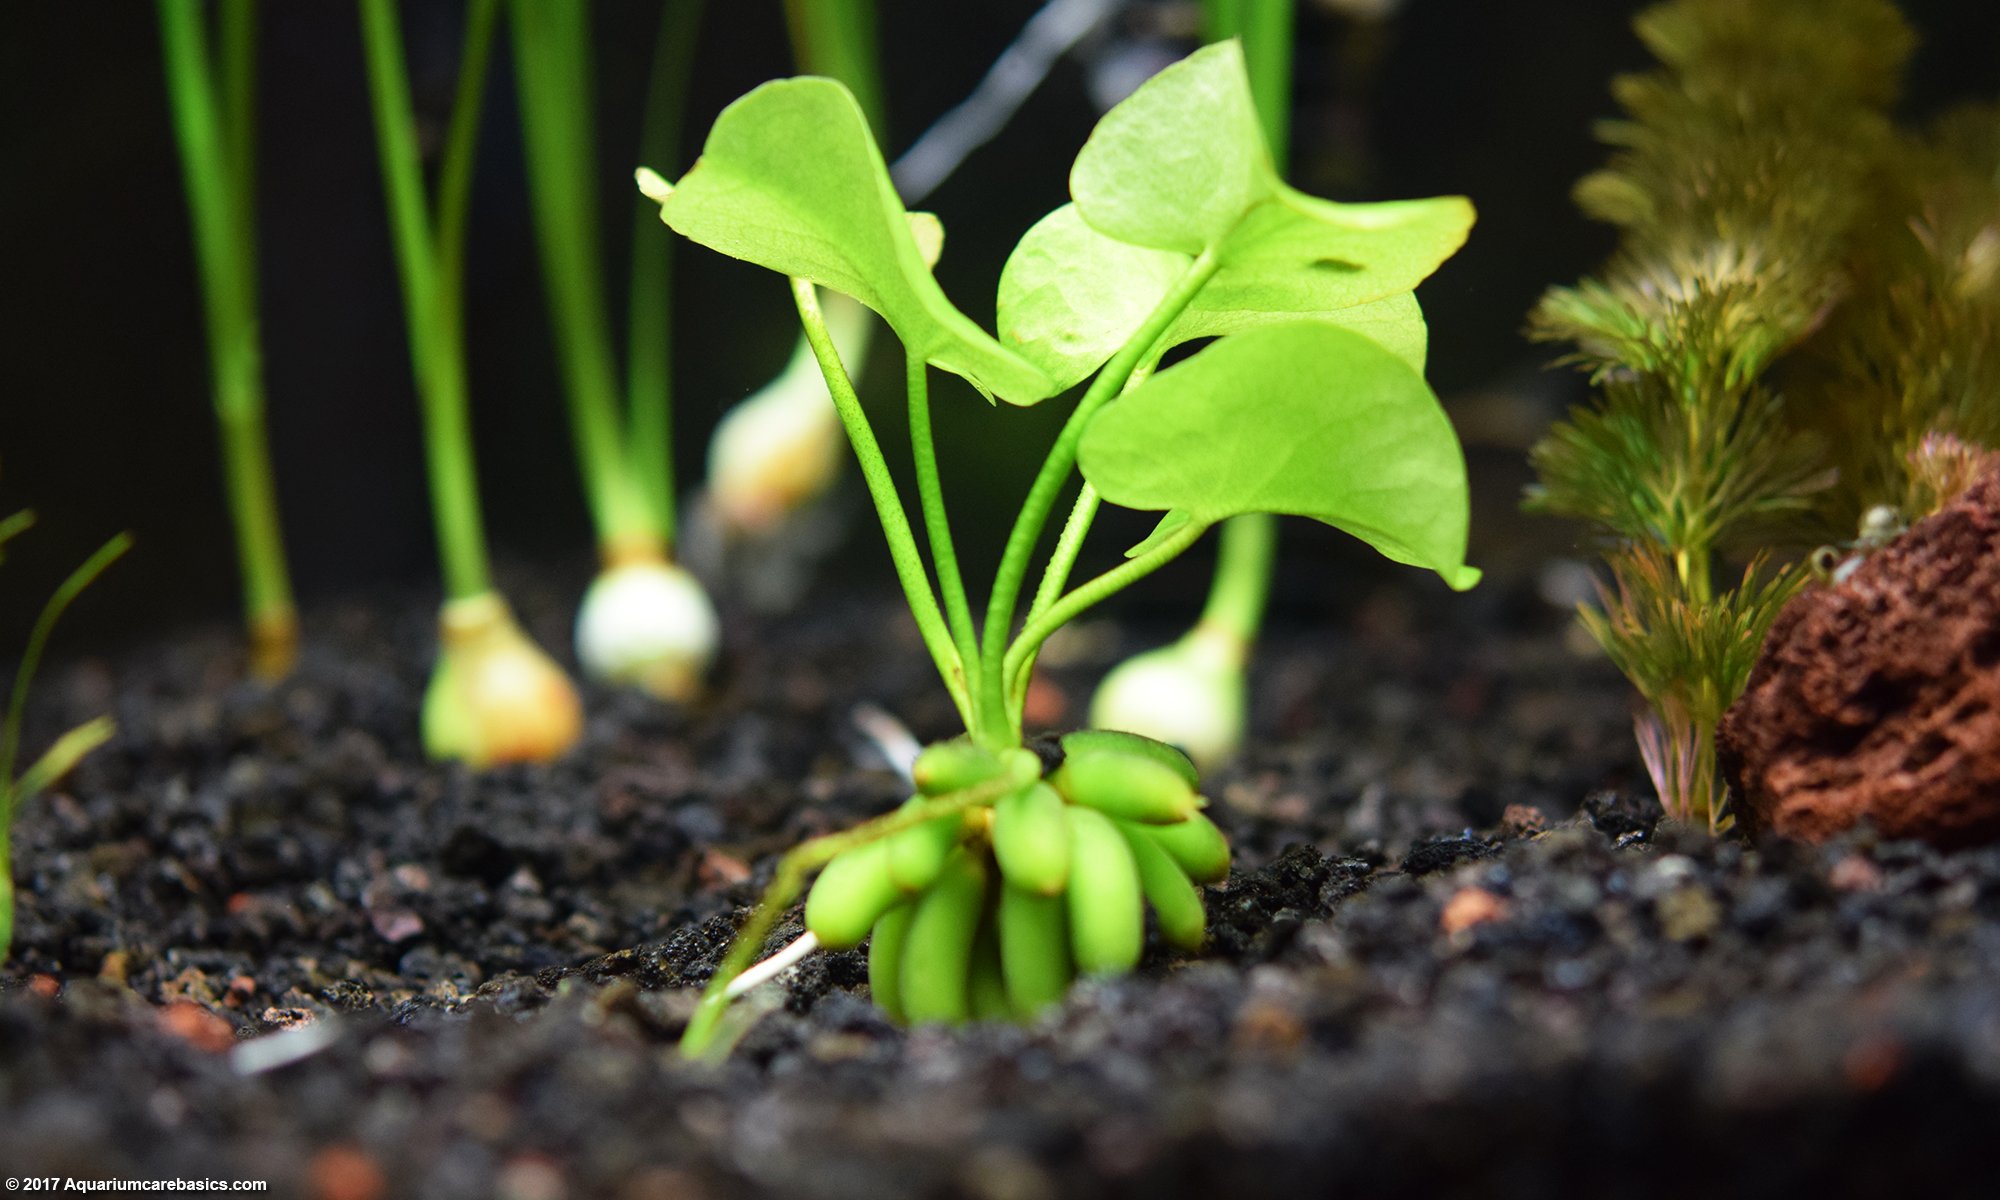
(648, 624)
(1189, 694)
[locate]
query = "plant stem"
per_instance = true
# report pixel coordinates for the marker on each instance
(1245, 553)
(31, 657)
(1248, 548)
(995, 725)
(836, 38)
(432, 273)
(553, 68)
(903, 550)
(215, 135)
(1021, 654)
(649, 307)
(937, 525)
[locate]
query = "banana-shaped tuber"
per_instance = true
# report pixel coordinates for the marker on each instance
(1034, 949)
(1196, 844)
(1107, 914)
(1183, 922)
(937, 952)
(850, 895)
(885, 959)
(1131, 787)
(1031, 839)
(1086, 741)
(917, 854)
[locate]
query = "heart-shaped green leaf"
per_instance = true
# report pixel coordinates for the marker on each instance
(1070, 295)
(791, 179)
(1175, 165)
(1304, 418)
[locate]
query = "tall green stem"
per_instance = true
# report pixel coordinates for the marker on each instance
(552, 62)
(903, 550)
(649, 309)
(994, 725)
(937, 525)
(1095, 591)
(432, 273)
(214, 128)
(1248, 548)
(836, 38)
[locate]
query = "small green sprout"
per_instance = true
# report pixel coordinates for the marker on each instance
(214, 110)
(67, 750)
(494, 696)
(645, 620)
(1001, 880)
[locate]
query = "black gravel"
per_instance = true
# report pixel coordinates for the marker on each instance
(423, 982)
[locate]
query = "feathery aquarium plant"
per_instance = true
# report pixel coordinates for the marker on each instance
(1011, 871)
(494, 696)
(69, 749)
(646, 621)
(1738, 181)
(214, 114)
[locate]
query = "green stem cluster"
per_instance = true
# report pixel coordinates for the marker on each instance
(624, 454)
(430, 261)
(986, 670)
(214, 117)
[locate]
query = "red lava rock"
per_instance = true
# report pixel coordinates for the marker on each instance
(48, 987)
(1044, 705)
(1471, 906)
(1522, 820)
(197, 1026)
(1878, 698)
(346, 1173)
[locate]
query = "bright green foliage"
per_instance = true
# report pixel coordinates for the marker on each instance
(1181, 441)
(1311, 401)
(1739, 179)
(791, 179)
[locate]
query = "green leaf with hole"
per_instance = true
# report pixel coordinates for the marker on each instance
(1307, 419)
(791, 179)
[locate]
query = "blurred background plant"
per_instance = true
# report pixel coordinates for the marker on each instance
(214, 102)
(1799, 300)
(67, 750)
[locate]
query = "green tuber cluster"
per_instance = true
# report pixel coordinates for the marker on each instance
(990, 912)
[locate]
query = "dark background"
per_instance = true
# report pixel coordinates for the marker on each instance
(104, 415)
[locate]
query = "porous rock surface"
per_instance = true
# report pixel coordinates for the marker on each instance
(1878, 698)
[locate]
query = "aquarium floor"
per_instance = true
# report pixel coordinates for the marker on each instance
(259, 939)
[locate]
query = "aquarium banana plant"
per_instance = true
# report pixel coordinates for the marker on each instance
(67, 750)
(646, 621)
(1739, 179)
(494, 696)
(213, 98)
(1014, 869)
(1193, 693)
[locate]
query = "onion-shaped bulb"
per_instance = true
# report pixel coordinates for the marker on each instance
(494, 696)
(1189, 694)
(648, 623)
